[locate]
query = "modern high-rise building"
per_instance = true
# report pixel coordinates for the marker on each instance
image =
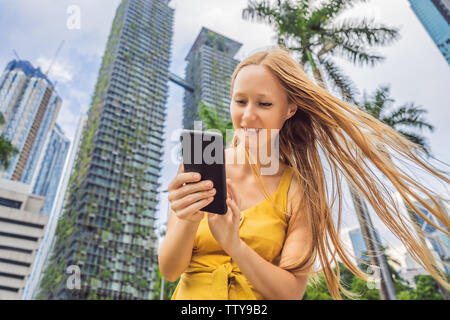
(435, 17)
(21, 230)
(106, 235)
(358, 244)
(30, 106)
(210, 65)
(43, 254)
(438, 241)
(51, 166)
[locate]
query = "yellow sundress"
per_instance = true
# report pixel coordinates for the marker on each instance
(212, 274)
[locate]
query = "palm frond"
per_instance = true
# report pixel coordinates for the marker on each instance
(339, 80)
(259, 11)
(364, 31)
(378, 102)
(357, 54)
(409, 115)
(333, 8)
(419, 140)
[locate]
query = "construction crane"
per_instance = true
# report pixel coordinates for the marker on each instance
(15, 53)
(54, 58)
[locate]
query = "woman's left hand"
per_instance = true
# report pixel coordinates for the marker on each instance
(225, 228)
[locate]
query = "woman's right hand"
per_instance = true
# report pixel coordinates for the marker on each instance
(188, 195)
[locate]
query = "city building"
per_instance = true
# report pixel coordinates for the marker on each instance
(21, 230)
(43, 254)
(48, 177)
(436, 240)
(435, 17)
(30, 106)
(210, 65)
(107, 228)
(358, 244)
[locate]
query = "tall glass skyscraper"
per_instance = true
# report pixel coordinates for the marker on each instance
(358, 243)
(438, 240)
(106, 236)
(435, 17)
(43, 254)
(30, 106)
(50, 168)
(208, 71)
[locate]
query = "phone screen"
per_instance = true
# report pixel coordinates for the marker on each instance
(203, 152)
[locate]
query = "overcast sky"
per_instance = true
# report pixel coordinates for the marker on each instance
(414, 67)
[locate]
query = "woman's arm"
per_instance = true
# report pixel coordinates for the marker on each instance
(271, 281)
(175, 251)
(187, 196)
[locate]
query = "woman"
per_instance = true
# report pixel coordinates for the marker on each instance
(279, 225)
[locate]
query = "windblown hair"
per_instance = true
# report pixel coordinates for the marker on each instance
(351, 141)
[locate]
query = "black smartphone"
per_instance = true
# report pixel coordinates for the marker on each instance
(203, 152)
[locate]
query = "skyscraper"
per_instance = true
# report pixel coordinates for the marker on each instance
(435, 17)
(30, 106)
(358, 243)
(50, 168)
(208, 71)
(437, 240)
(107, 230)
(43, 254)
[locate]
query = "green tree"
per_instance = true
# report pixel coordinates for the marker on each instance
(169, 287)
(426, 288)
(212, 120)
(7, 149)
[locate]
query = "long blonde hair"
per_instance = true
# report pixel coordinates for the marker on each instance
(350, 139)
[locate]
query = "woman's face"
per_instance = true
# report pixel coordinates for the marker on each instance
(258, 102)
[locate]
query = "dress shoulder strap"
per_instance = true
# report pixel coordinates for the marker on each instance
(285, 180)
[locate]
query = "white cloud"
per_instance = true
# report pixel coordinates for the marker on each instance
(60, 71)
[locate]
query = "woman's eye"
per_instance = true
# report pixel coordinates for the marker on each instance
(240, 101)
(266, 104)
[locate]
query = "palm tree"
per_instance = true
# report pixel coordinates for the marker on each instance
(407, 115)
(310, 29)
(7, 149)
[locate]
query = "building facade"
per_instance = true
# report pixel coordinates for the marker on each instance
(51, 166)
(436, 240)
(30, 106)
(107, 229)
(358, 244)
(435, 17)
(210, 65)
(21, 230)
(43, 254)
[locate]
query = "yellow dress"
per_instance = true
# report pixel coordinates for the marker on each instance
(212, 274)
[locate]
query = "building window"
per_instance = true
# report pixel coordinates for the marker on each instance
(10, 203)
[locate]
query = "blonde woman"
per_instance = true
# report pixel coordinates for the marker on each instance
(279, 225)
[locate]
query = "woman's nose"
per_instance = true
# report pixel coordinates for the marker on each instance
(249, 113)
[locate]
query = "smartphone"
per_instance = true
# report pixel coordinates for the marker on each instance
(203, 152)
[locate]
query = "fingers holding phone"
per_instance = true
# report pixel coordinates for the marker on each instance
(188, 195)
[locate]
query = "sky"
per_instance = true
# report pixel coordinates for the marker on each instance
(414, 68)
